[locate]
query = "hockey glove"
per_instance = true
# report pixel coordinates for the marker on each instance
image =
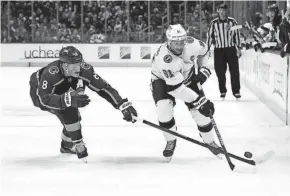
(76, 98)
(128, 110)
(203, 105)
(202, 75)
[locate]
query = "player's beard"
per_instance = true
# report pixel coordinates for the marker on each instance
(176, 51)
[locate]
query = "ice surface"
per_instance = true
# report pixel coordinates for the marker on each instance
(126, 159)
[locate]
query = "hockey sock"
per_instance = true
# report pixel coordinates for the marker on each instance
(206, 133)
(66, 140)
(171, 126)
(74, 131)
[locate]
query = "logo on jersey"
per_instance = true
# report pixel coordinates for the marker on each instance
(189, 39)
(125, 52)
(80, 83)
(103, 52)
(53, 70)
(145, 52)
(85, 66)
(201, 43)
(167, 58)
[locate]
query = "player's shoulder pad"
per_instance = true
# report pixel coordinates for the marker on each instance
(86, 66)
(52, 73)
(53, 68)
(189, 39)
(87, 71)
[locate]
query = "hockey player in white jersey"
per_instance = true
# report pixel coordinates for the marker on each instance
(173, 76)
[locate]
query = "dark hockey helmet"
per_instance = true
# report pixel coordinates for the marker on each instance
(70, 55)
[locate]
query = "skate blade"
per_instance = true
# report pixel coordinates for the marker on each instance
(219, 156)
(85, 160)
(168, 159)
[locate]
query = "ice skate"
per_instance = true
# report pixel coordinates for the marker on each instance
(223, 96)
(81, 151)
(237, 96)
(169, 150)
(67, 148)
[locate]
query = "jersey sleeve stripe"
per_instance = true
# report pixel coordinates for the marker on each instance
(111, 95)
(97, 90)
(87, 80)
(58, 82)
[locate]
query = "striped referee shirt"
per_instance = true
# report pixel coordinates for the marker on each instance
(220, 36)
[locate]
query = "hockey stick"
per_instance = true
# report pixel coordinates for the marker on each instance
(257, 161)
(231, 165)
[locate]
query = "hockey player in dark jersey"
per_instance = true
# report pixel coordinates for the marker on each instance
(59, 88)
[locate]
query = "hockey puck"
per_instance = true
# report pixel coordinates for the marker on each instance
(248, 155)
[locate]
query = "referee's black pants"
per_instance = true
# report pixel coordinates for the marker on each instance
(222, 57)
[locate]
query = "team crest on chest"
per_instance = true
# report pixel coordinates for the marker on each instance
(85, 66)
(167, 58)
(53, 70)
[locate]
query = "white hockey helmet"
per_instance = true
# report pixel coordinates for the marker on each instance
(176, 33)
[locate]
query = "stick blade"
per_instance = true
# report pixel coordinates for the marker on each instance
(265, 157)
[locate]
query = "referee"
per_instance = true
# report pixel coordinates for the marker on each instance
(227, 46)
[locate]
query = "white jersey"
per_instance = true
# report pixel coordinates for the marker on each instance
(177, 69)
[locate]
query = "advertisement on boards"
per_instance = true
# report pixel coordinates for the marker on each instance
(264, 72)
(41, 52)
(145, 52)
(125, 52)
(92, 53)
(279, 84)
(272, 82)
(103, 52)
